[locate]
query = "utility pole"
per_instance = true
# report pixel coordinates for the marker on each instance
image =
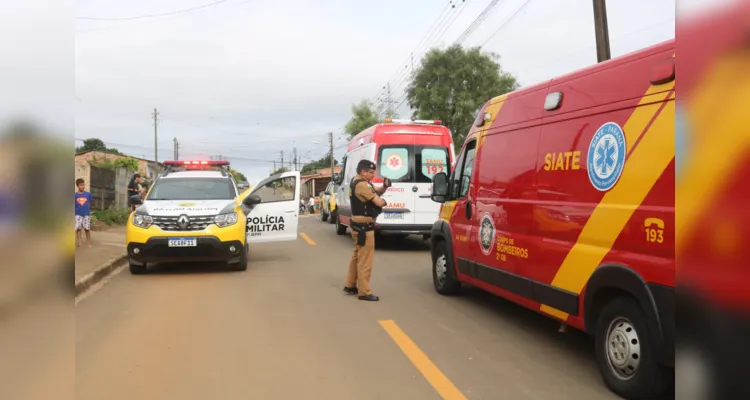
(602, 31)
(176, 149)
(330, 139)
(156, 141)
(296, 165)
(389, 101)
(282, 158)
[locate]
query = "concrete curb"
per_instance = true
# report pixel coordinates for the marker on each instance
(100, 273)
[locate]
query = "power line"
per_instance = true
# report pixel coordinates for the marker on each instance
(254, 138)
(215, 3)
(506, 22)
(405, 76)
(477, 22)
(428, 34)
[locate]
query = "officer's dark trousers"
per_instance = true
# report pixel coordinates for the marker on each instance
(360, 266)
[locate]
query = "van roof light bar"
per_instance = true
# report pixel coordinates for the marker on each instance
(413, 121)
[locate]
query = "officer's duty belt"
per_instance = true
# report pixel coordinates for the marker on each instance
(362, 230)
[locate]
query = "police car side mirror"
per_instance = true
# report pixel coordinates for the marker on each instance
(252, 200)
(337, 179)
(136, 199)
(439, 187)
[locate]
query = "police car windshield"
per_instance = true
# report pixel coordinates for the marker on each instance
(192, 189)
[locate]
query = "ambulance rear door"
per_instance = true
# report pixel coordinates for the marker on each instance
(396, 162)
(428, 161)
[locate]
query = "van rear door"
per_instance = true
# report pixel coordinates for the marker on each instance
(395, 162)
(411, 167)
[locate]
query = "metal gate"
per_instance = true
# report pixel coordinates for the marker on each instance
(102, 188)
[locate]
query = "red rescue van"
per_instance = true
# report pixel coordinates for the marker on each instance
(712, 217)
(409, 153)
(562, 200)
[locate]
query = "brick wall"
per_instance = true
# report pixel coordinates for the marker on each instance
(145, 168)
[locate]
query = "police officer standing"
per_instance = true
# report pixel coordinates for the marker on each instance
(366, 206)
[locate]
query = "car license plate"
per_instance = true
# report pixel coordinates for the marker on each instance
(183, 242)
(393, 215)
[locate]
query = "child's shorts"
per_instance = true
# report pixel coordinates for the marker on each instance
(83, 222)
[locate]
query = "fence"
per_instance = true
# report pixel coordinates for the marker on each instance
(103, 192)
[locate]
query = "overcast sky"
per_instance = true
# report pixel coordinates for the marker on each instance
(248, 79)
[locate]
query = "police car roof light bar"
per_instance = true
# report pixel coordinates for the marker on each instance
(170, 164)
(201, 162)
(414, 121)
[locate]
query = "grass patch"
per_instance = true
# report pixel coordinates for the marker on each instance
(111, 216)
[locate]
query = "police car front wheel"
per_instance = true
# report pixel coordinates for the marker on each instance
(241, 265)
(136, 268)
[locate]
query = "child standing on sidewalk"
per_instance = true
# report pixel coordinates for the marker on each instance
(83, 212)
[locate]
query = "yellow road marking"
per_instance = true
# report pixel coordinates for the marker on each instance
(307, 239)
(642, 169)
(440, 382)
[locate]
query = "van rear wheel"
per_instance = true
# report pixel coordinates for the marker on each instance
(625, 353)
(443, 273)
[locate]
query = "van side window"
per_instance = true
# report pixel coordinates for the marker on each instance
(465, 175)
(454, 178)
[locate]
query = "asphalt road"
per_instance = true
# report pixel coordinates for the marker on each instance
(283, 329)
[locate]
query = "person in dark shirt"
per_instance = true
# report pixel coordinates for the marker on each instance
(134, 188)
(82, 200)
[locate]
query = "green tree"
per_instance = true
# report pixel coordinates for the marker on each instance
(452, 85)
(324, 162)
(128, 162)
(363, 117)
(279, 171)
(237, 175)
(95, 144)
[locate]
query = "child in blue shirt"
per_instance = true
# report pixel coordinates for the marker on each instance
(83, 212)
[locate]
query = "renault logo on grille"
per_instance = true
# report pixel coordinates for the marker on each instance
(183, 222)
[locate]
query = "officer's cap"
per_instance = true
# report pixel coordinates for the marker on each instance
(365, 164)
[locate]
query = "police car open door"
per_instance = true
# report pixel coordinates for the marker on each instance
(272, 209)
